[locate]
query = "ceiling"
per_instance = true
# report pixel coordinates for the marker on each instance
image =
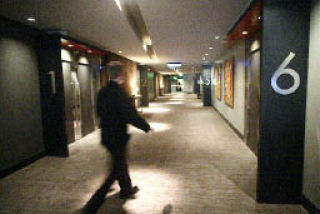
(181, 30)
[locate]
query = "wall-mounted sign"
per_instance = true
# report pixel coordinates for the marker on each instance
(283, 70)
(204, 82)
(207, 82)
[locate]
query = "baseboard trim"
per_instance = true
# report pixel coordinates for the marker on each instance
(309, 206)
(231, 126)
(22, 164)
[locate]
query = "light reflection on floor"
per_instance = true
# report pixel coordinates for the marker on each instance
(153, 183)
(158, 127)
(174, 103)
(155, 110)
(176, 99)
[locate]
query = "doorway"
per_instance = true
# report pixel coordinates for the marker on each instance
(253, 97)
(76, 104)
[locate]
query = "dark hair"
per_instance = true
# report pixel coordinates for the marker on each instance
(114, 71)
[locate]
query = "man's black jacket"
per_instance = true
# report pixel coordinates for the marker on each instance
(116, 111)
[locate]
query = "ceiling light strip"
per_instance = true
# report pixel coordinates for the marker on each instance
(118, 4)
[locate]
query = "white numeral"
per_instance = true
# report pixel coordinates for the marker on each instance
(283, 70)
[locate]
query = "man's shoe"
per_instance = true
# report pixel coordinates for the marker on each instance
(129, 194)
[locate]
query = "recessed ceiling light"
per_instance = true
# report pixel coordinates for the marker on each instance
(118, 4)
(120, 52)
(210, 48)
(217, 37)
(244, 32)
(147, 40)
(206, 54)
(31, 19)
(70, 45)
(259, 17)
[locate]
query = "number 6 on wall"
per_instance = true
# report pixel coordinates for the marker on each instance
(283, 70)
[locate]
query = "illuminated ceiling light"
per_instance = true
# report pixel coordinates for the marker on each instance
(145, 48)
(147, 40)
(210, 48)
(70, 45)
(120, 52)
(31, 19)
(179, 73)
(174, 65)
(259, 17)
(217, 37)
(63, 40)
(244, 32)
(155, 59)
(206, 54)
(118, 4)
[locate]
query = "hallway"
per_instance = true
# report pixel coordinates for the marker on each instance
(193, 163)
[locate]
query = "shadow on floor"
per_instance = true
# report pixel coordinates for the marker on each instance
(114, 205)
(167, 209)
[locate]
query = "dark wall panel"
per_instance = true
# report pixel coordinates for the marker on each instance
(167, 84)
(84, 76)
(285, 29)
(144, 86)
(151, 86)
(206, 78)
(53, 104)
(196, 86)
(20, 109)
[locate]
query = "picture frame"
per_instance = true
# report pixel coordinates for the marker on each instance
(229, 82)
(217, 81)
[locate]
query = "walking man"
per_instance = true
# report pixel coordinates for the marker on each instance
(116, 111)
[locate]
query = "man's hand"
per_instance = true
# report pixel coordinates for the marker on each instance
(151, 131)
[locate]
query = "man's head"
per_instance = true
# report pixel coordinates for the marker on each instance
(117, 75)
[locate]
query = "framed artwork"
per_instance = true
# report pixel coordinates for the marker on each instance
(228, 81)
(217, 76)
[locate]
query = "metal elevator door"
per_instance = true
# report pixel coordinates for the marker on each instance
(76, 104)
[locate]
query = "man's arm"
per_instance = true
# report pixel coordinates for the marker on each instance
(130, 115)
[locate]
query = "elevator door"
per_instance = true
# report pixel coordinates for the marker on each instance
(76, 104)
(253, 107)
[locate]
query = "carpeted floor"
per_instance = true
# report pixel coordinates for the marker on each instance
(193, 163)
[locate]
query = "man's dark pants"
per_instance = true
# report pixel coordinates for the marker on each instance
(117, 148)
